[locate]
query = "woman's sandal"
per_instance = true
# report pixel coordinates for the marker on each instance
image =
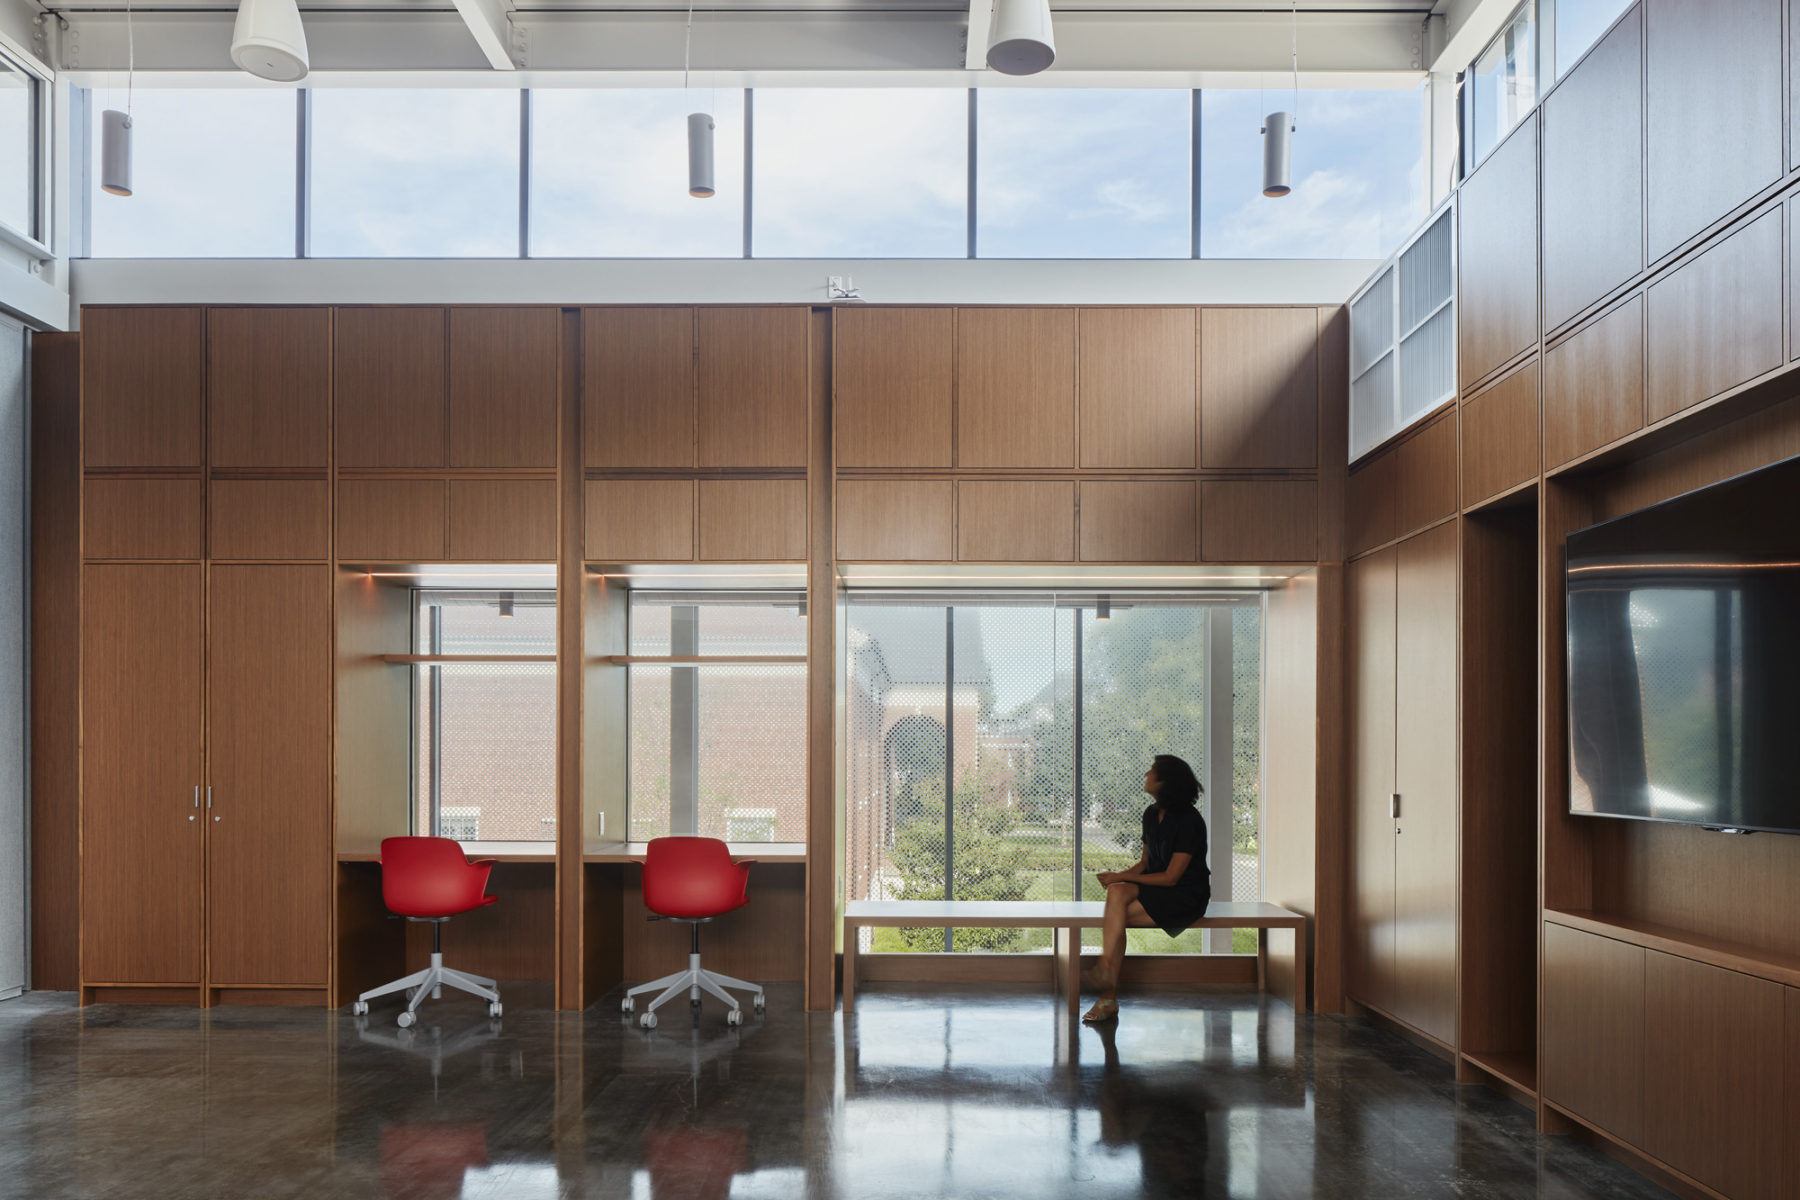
(1103, 1010)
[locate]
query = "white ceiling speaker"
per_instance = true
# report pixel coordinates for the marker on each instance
(700, 154)
(269, 41)
(1276, 128)
(1020, 40)
(115, 152)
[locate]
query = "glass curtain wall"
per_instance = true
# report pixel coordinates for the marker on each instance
(995, 745)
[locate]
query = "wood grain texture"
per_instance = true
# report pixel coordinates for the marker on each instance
(268, 824)
(388, 370)
(1371, 496)
(268, 387)
(503, 520)
(753, 520)
(892, 388)
(1715, 321)
(1015, 387)
(1259, 521)
(896, 520)
(1146, 521)
(1713, 1079)
(513, 939)
(639, 520)
(371, 949)
(503, 381)
(55, 637)
(143, 518)
(1500, 436)
(1497, 245)
(1425, 466)
(1792, 1023)
(753, 387)
(1290, 762)
(394, 519)
(1369, 691)
(637, 387)
(373, 745)
(269, 519)
(1594, 385)
(1714, 120)
(1593, 1030)
(1259, 387)
(1593, 164)
(141, 727)
(1136, 391)
(1425, 775)
(763, 942)
(141, 391)
(1027, 520)
(821, 886)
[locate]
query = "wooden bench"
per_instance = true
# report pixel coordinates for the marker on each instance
(1065, 918)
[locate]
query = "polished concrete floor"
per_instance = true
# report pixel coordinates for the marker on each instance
(945, 1092)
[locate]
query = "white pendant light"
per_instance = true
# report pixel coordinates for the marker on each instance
(699, 127)
(115, 126)
(269, 41)
(1020, 39)
(1277, 129)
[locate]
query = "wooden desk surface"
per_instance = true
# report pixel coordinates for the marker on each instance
(762, 852)
(539, 852)
(1037, 914)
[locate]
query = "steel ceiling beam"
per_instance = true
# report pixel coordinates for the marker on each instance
(488, 25)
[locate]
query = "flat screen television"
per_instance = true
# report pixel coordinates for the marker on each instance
(1684, 658)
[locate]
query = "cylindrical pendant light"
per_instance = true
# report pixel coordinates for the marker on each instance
(1020, 39)
(269, 41)
(700, 154)
(115, 152)
(1275, 130)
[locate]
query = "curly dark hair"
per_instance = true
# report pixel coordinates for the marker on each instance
(1180, 786)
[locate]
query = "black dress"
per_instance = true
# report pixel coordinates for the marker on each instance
(1182, 830)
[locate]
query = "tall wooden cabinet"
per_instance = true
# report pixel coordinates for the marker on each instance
(1403, 745)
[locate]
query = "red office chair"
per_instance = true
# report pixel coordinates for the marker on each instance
(430, 879)
(693, 880)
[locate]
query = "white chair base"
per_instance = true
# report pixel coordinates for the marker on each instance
(693, 981)
(431, 982)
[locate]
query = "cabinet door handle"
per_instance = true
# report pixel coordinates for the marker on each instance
(209, 795)
(1393, 803)
(192, 816)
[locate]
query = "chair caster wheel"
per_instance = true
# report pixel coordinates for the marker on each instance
(758, 1003)
(405, 1020)
(627, 1005)
(360, 1008)
(648, 1020)
(693, 1002)
(735, 1017)
(494, 1009)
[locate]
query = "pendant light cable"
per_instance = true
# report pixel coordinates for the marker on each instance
(687, 47)
(130, 57)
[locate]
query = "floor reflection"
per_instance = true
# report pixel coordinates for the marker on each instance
(953, 1091)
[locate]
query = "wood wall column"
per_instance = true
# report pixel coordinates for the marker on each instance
(570, 594)
(822, 835)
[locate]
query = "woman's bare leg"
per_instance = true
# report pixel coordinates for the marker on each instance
(1122, 912)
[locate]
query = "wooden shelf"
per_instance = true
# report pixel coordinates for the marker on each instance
(762, 852)
(699, 659)
(506, 852)
(1732, 956)
(1519, 1070)
(468, 658)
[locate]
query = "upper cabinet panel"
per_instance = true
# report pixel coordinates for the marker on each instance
(1259, 387)
(1715, 321)
(893, 368)
(1594, 175)
(753, 381)
(1497, 260)
(390, 387)
(1714, 105)
(1137, 387)
(637, 389)
(268, 387)
(141, 387)
(1015, 387)
(503, 387)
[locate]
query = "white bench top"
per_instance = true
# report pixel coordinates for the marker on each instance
(1038, 914)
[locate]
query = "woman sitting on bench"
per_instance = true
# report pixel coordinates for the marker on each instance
(1169, 887)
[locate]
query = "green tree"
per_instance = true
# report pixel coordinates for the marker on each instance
(988, 866)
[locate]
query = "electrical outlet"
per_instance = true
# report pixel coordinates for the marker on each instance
(602, 830)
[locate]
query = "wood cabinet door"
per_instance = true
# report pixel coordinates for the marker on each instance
(141, 389)
(753, 387)
(1137, 394)
(752, 520)
(140, 773)
(268, 815)
(1369, 592)
(1593, 1029)
(268, 387)
(892, 387)
(1715, 321)
(1015, 387)
(1259, 387)
(503, 382)
(1138, 521)
(637, 387)
(1497, 245)
(389, 371)
(1425, 776)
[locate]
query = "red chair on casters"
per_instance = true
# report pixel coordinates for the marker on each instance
(431, 879)
(693, 880)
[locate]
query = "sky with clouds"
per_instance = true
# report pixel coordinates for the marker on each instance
(874, 172)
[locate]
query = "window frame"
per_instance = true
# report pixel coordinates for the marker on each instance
(35, 240)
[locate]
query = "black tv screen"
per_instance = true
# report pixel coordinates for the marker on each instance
(1684, 658)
